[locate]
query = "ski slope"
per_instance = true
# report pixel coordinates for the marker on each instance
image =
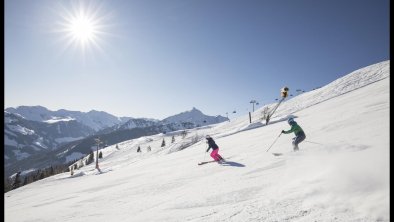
(341, 172)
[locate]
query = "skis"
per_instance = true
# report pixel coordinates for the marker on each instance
(212, 161)
(205, 162)
(220, 161)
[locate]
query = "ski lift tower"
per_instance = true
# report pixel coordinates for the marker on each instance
(253, 102)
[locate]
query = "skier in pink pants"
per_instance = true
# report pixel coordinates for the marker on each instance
(215, 149)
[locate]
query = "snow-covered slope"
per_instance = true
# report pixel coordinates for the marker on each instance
(340, 174)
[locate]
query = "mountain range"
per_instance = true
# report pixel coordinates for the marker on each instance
(36, 137)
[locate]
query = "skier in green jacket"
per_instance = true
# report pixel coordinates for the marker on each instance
(297, 130)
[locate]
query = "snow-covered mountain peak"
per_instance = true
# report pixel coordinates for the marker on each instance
(96, 120)
(194, 116)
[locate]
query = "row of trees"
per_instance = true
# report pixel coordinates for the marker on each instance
(88, 160)
(80, 163)
(20, 180)
(163, 143)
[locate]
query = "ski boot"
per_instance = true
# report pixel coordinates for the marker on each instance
(295, 146)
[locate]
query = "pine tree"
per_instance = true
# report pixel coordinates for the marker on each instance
(7, 185)
(173, 139)
(17, 181)
(66, 169)
(184, 133)
(90, 158)
(36, 176)
(30, 178)
(42, 175)
(265, 113)
(25, 181)
(163, 143)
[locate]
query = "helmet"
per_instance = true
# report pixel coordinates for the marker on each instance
(290, 120)
(207, 136)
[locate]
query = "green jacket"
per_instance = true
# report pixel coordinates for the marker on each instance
(296, 129)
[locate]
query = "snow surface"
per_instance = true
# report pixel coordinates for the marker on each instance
(21, 129)
(39, 142)
(341, 172)
(58, 119)
(67, 139)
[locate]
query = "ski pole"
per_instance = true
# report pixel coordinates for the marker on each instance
(313, 142)
(274, 141)
(205, 154)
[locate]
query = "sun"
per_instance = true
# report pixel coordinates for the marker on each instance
(83, 29)
(81, 26)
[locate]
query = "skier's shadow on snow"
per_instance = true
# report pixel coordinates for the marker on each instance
(234, 164)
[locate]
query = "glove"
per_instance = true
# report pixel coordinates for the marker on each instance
(283, 131)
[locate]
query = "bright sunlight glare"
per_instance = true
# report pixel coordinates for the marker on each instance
(82, 29)
(81, 25)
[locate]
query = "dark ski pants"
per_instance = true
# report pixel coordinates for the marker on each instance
(298, 139)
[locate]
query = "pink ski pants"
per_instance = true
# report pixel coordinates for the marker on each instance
(215, 155)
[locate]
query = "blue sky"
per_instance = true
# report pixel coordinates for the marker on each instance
(155, 58)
